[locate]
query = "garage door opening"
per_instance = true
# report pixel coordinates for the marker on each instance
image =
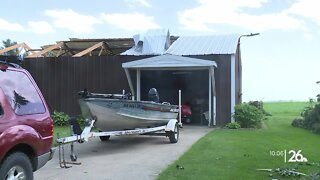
(194, 92)
(169, 74)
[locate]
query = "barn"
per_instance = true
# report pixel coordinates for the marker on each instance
(224, 50)
(63, 69)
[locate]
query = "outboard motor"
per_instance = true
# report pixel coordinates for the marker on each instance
(75, 127)
(153, 95)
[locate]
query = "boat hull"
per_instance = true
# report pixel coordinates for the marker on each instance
(120, 114)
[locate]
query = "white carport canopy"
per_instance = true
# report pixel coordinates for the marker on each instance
(171, 62)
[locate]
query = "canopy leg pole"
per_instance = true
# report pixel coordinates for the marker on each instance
(130, 82)
(213, 81)
(210, 99)
(138, 85)
(180, 123)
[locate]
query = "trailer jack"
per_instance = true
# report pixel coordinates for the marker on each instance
(62, 161)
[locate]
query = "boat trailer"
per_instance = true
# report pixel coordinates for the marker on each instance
(171, 130)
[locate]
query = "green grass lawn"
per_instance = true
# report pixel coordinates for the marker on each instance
(63, 131)
(237, 154)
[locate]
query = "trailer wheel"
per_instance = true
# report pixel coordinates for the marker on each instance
(104, 138)
(174, 136)
(16, 166)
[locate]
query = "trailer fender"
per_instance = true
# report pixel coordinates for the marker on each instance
(171, 125)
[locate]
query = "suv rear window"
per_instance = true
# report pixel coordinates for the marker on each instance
(20, 92)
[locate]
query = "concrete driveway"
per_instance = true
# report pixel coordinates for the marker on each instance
(126, 157)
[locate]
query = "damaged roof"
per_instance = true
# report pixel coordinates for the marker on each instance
(145, 44)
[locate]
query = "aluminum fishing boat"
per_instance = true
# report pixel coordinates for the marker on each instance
(119, 112)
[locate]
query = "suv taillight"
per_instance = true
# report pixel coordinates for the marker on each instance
(3, 67)
(51, 127)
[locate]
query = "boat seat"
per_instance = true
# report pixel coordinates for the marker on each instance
(75, 127)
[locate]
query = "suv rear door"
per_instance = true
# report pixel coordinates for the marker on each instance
(27, 104)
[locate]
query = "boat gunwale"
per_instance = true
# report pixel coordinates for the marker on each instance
(129, 101)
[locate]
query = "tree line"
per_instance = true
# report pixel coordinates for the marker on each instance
(7, 43)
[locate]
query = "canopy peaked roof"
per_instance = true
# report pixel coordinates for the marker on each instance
(169, 62)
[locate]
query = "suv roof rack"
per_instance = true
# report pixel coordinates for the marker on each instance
(10, 64)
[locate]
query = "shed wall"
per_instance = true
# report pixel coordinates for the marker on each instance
(61, 78)
(223, 86)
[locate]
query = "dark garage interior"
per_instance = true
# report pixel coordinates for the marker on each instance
(192, 83)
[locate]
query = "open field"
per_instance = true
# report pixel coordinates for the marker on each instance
(237, 154)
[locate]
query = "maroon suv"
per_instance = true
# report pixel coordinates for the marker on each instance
(26, 127)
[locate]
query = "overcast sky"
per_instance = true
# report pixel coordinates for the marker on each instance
(282, 63)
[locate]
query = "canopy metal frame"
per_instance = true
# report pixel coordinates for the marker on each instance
(206, 65)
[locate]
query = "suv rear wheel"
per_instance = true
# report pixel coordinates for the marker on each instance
(16, 166)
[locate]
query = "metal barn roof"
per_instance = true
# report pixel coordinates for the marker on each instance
(169, 62)
(202, 45)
